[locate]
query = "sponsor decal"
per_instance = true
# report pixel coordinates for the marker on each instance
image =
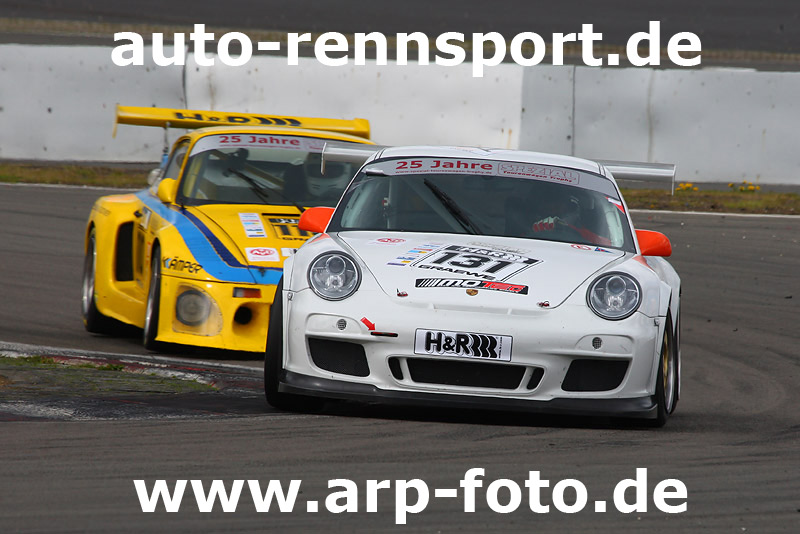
(261, 254)
(286, 228)
(252, 225)
(414, 254)
(553, 174)
(288, 251)
(251, 119)
(463, 344)
(177, 264)
(449, 166)
(477, 262)
(212, 142)
(388, 241)
(457, 271)
(595, 249)
(473, 284)
(493, 246)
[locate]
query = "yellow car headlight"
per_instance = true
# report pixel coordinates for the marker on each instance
(192, 307)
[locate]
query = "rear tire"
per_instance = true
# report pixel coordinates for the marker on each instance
(93, 320)
(150, 331)
(273, 362)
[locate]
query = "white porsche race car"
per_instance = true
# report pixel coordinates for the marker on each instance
(479, 278)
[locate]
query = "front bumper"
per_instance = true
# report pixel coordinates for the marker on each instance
(640, 407)
(545, 344)
(232, 324)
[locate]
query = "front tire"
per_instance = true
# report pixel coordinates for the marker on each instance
(94, 321)
(150, 331)
(668, 376)
(273, 363)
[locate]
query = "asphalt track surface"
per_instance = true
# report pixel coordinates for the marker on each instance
(772, 26)
(734, 440)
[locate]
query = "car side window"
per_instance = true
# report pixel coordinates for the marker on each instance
(173, 168)
(176, 161)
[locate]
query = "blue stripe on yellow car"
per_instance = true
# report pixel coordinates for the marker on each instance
(219, 248)
(207, 249)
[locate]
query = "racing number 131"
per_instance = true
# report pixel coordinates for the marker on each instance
(471, 261)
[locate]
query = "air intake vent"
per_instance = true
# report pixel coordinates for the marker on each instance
(469, 374)
(594, 375)
(339, 357)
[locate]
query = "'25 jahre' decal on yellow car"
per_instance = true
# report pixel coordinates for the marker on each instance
(195, 258)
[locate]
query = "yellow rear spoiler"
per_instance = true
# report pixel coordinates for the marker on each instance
(191, 118)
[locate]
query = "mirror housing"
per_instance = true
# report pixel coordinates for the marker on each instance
(653, 243)
(315, 220)
(154, 175)
(167, 190)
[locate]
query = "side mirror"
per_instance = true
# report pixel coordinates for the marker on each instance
(653, 243)
(315, 220)
(154, 176)
(167, 190)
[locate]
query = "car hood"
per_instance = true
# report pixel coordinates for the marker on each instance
(465, 271)
(261, 235)
(250, 242)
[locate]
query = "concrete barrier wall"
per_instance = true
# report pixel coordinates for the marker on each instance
(718, 125)
(405, 105)
(57, 103)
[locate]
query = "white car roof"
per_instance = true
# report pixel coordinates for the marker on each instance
(493, 154)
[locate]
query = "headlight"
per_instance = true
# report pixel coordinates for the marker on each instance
(192, 307)
(334, 276)
(614, 296)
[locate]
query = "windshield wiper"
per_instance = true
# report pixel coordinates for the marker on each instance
(454, 209)
(263, 191)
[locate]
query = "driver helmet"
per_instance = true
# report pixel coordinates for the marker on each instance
(554, 200)
(330, 183)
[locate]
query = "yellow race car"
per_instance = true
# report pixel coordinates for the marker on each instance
(195, 258)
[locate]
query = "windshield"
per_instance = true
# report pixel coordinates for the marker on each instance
(485, 198)
(262, 169)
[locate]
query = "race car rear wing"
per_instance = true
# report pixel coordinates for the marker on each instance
(641, 172)
(190, 118)
(624, 170)
(348, 152)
